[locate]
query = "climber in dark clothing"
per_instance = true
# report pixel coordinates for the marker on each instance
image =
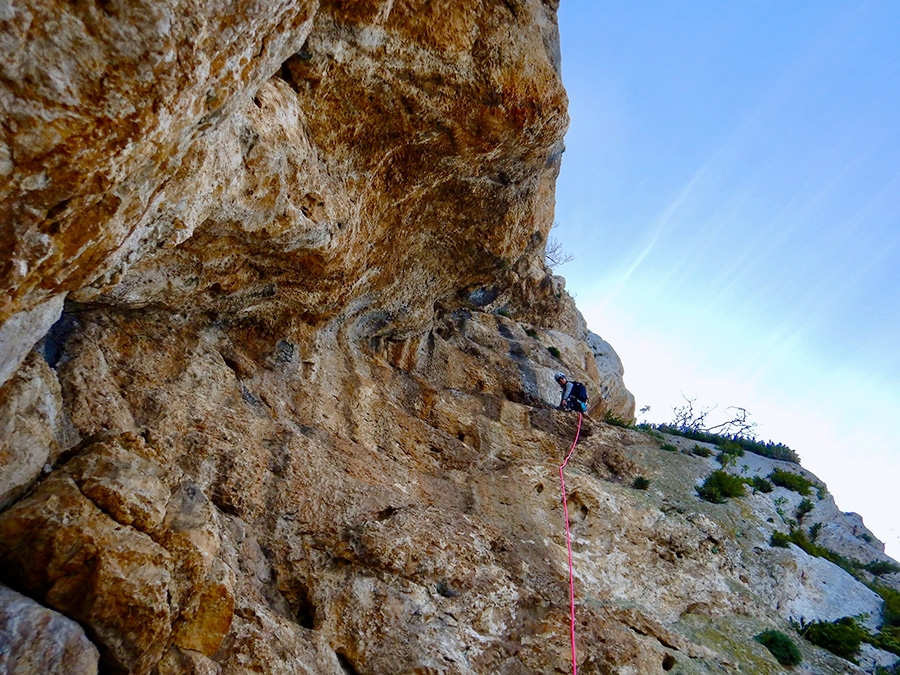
(574, 394)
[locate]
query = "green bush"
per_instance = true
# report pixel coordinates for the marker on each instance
(649, 430)
(799, 537)
(760, 484)
(554, 352)
(791, 481)
(729, 451)
(732, 448)
(640, 483)
(701, 451)
(842, 637)
(891, 599)
(719, 486)
(531, 332)
(888, 640)
(803, 508)
(814, 531)
(781, 646)
(880, 567)
(767, 449)
(669, 447)
(610, 418)
(780, 540)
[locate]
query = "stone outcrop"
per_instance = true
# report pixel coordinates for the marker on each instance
(297, 415)
(19, 333)
(33, 429)
(619, 401)
(153, 154)
(34, 639)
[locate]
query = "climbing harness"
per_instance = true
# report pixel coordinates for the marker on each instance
(562, 483)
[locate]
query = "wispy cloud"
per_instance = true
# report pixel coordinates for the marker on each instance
(652, 237)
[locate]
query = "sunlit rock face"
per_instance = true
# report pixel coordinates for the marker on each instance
(297, 413)
(101, 105)
(400, 153)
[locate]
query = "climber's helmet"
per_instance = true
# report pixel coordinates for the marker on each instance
(560, 376)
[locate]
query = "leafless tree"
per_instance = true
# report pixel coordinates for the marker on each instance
(554, 255)
(688, 418)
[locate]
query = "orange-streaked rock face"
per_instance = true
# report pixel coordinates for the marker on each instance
(366, 152)
(297, 415)
(101, 102)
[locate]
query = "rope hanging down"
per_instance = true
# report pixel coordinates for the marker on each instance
(562, 483)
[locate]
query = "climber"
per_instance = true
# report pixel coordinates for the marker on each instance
(574, 394)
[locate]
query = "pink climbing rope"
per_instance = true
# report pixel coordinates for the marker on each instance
(562, 482)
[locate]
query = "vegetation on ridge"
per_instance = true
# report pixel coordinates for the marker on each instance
(792, 481)
(842, 637)
(640, 483)
(701, 451)
(804, 508)
(720, 485)
(768, 449)
(736, 432)
(760, 484)
(729, 451)
(781, 647)
(798, 536)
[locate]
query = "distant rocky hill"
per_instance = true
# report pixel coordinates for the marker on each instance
(277, 361)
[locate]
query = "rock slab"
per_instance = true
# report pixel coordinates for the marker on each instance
(34, 639)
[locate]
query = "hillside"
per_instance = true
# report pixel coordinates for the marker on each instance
(277, 363)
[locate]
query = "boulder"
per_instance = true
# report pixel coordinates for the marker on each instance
(35, 639)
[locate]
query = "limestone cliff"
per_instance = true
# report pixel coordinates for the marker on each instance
(276, 363)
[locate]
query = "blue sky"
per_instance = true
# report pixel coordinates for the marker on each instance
(731, 189)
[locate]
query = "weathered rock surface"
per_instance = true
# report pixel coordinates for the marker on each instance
(101, 104)
(19, 334)
(620, 401)
(34, 639)
(842, 533)
(32, 428)
(871, 658)
(297, 415)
